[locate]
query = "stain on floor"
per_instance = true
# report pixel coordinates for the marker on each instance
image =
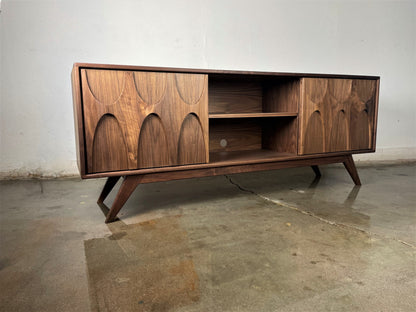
(142, 267)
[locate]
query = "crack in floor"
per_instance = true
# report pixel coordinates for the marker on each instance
(278, 202)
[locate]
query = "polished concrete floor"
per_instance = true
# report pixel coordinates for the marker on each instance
(265, 241)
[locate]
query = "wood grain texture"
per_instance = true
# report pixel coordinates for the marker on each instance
(373, 135)
(186, 174)
(190, 87)
(150, 86)
(240, 74)
(131, 182)
(131, 97)
(338, 138)
(280, 135)
(240, 168)
(153, 148)
(252, 115)
(236, 157)
(191, 144)
(108, 186)
(127, 188)
(78, 120)
(313, 138)
(336, 115)
(352, 170)
(218, 75)
(217, 164)
(109, 150)
(238, 134)
(151, 124)
(281, 96)
(227, 96)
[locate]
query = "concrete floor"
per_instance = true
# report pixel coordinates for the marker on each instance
(266, 241)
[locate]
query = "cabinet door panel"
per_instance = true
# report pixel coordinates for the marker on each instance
(143, 113)
(336, 115)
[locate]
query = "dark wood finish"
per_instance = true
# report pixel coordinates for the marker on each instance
(337, 115)
(230, 74)
(109, 151)
(108, 186)
(352, 170)
(78, 120)
(238, 135)
(136, 120)
(234, 97)
(216, 164)
(127, 187)
(316, 170)
(153, 144)
(281, 96)
(284, 162)
(374, 134)
(191, 145)
(245, 156)
(280, 135)
(277, 134)
(198, 173)
(252, 115)
(152, 124)
(131, 182)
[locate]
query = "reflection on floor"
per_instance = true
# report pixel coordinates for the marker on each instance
(266, 241)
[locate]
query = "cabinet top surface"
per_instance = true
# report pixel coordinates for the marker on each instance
(217, 72)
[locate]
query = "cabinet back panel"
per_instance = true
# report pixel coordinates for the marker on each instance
(239, 135)
(234, 97)
(281, 96)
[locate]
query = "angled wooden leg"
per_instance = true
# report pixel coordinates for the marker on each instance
(316, 170)
(127, 187)
(352, 170)
(108, 186)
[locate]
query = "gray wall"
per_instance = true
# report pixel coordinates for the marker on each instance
(40, 40)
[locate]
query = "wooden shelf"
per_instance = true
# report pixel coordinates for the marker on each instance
(253, 115)
(249, 156)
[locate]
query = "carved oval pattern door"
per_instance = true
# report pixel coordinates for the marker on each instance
(139, 119)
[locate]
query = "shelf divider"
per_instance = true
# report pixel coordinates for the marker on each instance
(253, 115)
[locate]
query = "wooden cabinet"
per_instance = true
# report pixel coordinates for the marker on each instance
(337, 115)
(157, 124)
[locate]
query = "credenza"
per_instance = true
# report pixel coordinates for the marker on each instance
(150, 124)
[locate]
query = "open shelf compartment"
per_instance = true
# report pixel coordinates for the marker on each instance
(232, 94)
(252, 119)
(252, 138)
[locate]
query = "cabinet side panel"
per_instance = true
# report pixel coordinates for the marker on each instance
(78, 119)
(280, 135)
(363, 107)
(281, 96)
(374, 134)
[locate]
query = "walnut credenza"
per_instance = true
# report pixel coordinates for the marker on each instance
(150, 124)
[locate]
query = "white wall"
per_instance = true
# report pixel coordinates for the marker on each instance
(40, 40)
